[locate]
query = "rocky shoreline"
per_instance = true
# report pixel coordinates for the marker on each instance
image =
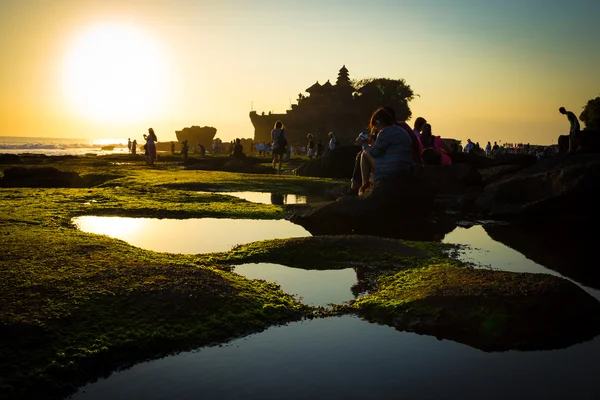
(81, 305)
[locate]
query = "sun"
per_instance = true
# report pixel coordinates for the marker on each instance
(114, 72)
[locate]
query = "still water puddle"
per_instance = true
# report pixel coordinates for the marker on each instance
(313, 287)
(189, 236)
(272, 198)
(348, 358)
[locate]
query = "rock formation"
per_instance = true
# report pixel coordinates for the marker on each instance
(561, 188)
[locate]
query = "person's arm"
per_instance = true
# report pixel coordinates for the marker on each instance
(380, 146)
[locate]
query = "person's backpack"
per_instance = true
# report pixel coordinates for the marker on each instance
(282, 140)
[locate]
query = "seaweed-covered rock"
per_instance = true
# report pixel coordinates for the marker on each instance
(45, 177)
(488, 310)
(10, 159)
(560, 188)
(338, 163)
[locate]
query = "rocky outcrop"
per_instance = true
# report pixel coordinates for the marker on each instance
(453, 179)
(338, 163)
(229, 164)
(46, 177)
(395, 207)
(10, 159)
(558, 188)
(196, 134)
(488, 310)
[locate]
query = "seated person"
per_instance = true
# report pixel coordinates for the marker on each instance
(435, 150)
(238, 149)
(391, 154)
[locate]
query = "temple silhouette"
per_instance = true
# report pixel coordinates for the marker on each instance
(327, 108)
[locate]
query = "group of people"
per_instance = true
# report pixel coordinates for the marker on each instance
(149, 146)
(392, 149)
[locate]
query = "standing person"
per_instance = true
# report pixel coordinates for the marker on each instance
(184, 150)
(469, 146)
(202, 151)
(495, 149)
(573, 130)
(419, 122)
(172, 148)
(311, 146)
(333, 142)
(488, 149)
(279, 144)
(129, 144)
(134, 147)
(151, 146)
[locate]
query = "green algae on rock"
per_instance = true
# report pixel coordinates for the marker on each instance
(489, 310)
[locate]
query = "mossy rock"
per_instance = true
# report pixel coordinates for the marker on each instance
(485, 309)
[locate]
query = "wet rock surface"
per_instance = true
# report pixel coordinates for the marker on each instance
(10, 159)
(561, 188)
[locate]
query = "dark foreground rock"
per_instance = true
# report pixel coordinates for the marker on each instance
(394, 207)
(559, 188)
(44, 177)
(565, 248)
(488, 310)
(338, 163)
(10, 159)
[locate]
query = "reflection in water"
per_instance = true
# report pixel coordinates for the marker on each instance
(488, 252)
(189, 236)
(382, 226)
(349, 358)
(314, 287)
(272, 198)
(569, 250)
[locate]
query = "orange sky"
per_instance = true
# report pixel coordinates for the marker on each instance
(484, 71)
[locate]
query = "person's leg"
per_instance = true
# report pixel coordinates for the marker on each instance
(356, 174)
(366, 168)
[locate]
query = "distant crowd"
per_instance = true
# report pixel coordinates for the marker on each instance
(390, 147)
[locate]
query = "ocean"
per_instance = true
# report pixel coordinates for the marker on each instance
(61, 146)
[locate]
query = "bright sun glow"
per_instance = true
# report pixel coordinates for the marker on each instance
(114, 73)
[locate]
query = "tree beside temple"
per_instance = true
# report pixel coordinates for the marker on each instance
(343, 108)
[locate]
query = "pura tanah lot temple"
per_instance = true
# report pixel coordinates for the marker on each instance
(327, 108)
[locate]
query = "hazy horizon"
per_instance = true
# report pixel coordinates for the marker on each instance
(112, 69)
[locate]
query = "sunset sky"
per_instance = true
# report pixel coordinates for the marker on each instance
(488, 70)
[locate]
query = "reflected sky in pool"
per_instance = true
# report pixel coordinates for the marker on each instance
(317, 288)
(267, 198)
(348, 358)
(189, 236)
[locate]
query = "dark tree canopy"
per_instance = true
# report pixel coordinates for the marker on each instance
(379, 92)
(591, 115)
